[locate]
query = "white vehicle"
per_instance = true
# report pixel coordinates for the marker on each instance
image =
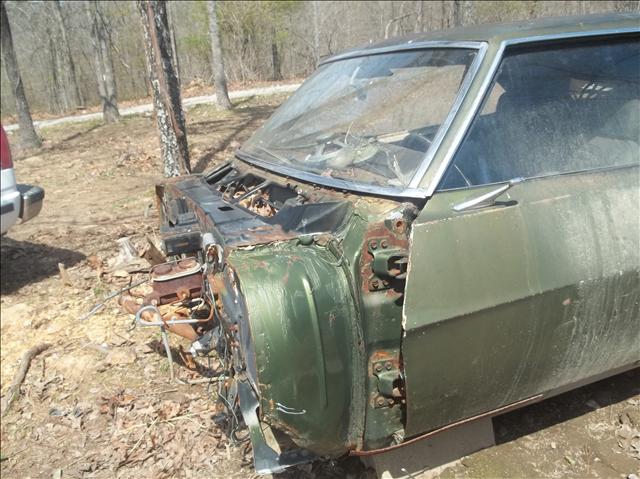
(18, 200)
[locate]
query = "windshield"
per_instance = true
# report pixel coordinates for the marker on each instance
(368, 119)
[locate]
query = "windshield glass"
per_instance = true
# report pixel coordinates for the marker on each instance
(369, 119)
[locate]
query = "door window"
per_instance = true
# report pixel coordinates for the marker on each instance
(554, 110)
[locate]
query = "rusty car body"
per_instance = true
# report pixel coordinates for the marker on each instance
(430, 230)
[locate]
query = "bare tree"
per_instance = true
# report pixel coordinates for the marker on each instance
(165, 86)
(458, 12)
(261, 40)
(219, 78)
(419, 23)
(103, 63)
(56, 86)
(172, 35)
(28, 136)
(68, 73)
(316, 32)
(275, 57)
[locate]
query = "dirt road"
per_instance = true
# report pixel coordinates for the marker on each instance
(187, 103)
(98, 403)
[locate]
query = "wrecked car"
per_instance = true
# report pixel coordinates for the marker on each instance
(429, 231)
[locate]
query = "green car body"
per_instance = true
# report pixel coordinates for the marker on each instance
(367, 316)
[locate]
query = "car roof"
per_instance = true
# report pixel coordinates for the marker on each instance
(523, 31)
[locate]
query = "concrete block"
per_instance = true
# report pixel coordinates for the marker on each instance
(425, 458)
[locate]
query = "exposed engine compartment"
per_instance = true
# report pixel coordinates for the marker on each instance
(196, 294)
(240, 208)
(259, 196)
(261, 275)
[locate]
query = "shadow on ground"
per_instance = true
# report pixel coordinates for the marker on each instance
(508, 427)
(564, 407)
(64, 143)
(245, 120)
(24, 262)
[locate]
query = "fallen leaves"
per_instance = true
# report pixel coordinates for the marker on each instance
(628, 435)
(109, 405)
(99, 186)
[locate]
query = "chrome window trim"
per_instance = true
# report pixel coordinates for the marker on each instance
(546, 176)
(407, 46)
(488, 81)
(444, 128)
(462, 131)
(406, 192)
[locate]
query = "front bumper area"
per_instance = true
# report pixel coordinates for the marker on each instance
(31, 199)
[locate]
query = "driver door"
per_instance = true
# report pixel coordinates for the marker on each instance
(537, 291)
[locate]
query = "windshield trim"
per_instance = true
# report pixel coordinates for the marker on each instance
(402, 47)
(336, 183)
(412, 190)
(444, 128)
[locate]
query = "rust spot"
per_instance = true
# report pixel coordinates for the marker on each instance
(267, 233)
(175, 281)
(382, 236)
(400, 226)
(130, 305)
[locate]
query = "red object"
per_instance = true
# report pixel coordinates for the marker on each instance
(5, 153)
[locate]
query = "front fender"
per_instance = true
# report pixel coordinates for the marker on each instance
(304, 328)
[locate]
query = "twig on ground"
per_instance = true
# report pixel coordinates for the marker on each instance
(166, 421)
(205, 380)
(154, 393)
(14, 389)
(128, 455)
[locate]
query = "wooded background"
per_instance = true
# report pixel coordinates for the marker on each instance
(60, 45)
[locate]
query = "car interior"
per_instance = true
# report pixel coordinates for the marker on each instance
(561, 110)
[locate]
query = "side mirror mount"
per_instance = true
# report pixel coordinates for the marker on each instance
(486, 199)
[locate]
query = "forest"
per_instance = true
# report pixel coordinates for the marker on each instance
(60, 45)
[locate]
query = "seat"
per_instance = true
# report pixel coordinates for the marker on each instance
(617, 142)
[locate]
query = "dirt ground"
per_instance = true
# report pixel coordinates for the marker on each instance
(98, 402)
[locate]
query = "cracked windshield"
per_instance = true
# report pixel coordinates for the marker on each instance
(369, 119)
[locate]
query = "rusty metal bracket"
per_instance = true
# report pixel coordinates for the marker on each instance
(389, 383)
(389, 263)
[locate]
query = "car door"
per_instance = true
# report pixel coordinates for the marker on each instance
(539, 289)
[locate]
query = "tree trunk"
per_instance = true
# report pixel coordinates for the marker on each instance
(419, 25)
(103, 63)
(275, 57)
(68, 72)
(457, 13)
(172, 35)
(316, 32)
(28, 136)
(219, 79)
(165, 87)
(56, 85)
(468, 13)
